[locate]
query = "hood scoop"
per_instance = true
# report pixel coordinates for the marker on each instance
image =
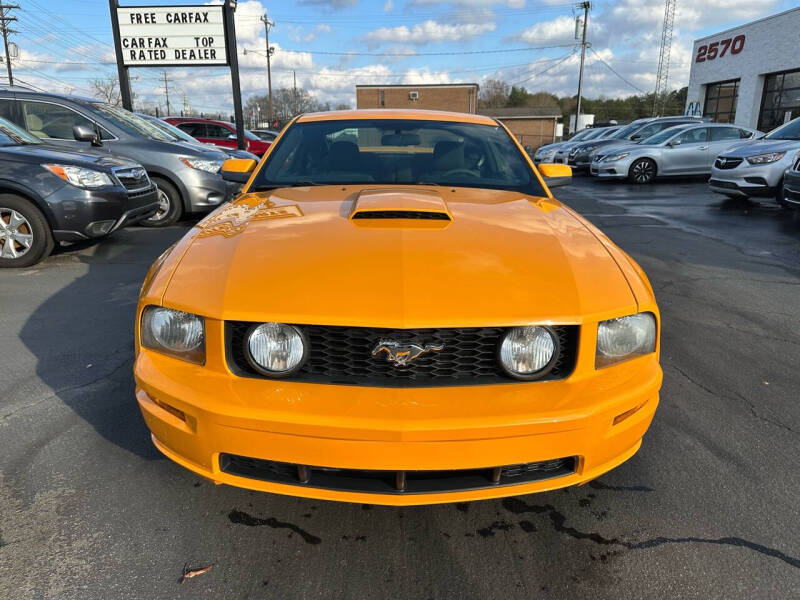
(398, 204)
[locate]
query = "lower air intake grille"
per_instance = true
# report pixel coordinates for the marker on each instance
(395, 482)
(343, 355)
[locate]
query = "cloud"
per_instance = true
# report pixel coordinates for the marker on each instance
(388, 6)
(296, 33)
(330, 4)
(428, 32)
(471, 3)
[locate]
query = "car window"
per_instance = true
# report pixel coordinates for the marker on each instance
(7, 109)
(789, 131)
(725, 133)
(694, 136)
(744, 134)
(395, 151)
(130, 122)
(11, 135)
(217, 132)
(169, 128)
(46, 120)
(663, 136)
(197, 130)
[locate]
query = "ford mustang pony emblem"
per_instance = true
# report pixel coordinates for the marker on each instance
(401, 354)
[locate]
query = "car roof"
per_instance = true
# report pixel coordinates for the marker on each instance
(393, 113)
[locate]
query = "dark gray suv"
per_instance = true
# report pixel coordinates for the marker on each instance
(187, 178)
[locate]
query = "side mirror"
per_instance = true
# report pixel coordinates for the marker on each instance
(528, 148)
(238, 170)
(636, 137)
(83, 133)
(232, 136)
(555, 175)
(674, 143)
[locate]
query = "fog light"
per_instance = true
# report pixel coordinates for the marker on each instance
(97, 228)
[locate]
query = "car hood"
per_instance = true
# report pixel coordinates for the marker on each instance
(761, 147)
(550, 147)
(44, 153)
(295, 255)
(631, 148)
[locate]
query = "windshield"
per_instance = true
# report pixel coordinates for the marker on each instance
(11, 135)
(170, 129)
(394, 151)
(627, 131)
(581, 135)
(663, 136)
(594, 134)
(132, 123)
(608, 132)
(789, 131)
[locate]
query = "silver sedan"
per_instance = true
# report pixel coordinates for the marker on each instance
(687, 149)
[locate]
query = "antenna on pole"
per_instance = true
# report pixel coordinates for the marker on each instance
(585, 6)
(662, 76)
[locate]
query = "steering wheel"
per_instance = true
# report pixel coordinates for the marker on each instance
(460, 172)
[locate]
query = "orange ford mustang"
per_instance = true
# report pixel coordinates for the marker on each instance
(396, 311)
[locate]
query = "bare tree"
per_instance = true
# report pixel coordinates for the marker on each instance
(494, 94)
(107, 90)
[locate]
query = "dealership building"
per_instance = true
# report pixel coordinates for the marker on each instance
(749, 75)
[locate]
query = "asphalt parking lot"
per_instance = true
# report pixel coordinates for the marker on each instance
(707, 508)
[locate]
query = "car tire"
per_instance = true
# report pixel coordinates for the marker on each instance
(780, 196)
(24, 232)
(170, 206)
(642, 171)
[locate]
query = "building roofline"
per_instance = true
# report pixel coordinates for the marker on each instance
(411, 85)
(718, 33)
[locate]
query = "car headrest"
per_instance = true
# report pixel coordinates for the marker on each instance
(342, 155)
(33, 122)
(448, 156)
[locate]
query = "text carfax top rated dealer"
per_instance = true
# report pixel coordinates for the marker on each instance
(161, 35)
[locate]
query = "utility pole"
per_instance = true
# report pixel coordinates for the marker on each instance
(4, 21)
(166, 91)
(585, 6)
(267, 26)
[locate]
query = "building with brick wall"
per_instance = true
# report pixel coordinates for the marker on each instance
(748, 75)
(458, 97)
(533, 127)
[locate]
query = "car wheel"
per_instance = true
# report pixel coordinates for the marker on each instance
(170, 207)
(642, 171)
(25, 236)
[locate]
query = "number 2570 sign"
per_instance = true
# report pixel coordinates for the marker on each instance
(720, 48)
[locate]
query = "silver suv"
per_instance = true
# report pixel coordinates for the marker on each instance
(757, 168)
(187, 178)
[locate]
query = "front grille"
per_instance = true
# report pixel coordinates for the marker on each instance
(401, 214)
(134, 178)
(343, 355)
(796, 167)
(723, 184)
(140, 193)
(395, 482)
(727, 163)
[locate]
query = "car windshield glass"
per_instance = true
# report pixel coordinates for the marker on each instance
(789, 131)
(663, 136)
(394, 151)
(627, 130)
(170, 129)
(581, 135)
(608, 133)
(594, 134)
(132, 123)
(11, 135)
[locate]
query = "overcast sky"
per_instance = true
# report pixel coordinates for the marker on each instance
(334, 44)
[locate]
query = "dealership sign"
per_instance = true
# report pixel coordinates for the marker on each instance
(172, 35)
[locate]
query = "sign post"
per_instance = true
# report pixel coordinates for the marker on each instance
(176, 36)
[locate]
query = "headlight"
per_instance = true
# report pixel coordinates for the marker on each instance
(275, 349)
(614, 157)
(590, 149)
(212, 166)
(80, 177)
(528, 352)
(173, 332)
(763, 159)
(624, 338)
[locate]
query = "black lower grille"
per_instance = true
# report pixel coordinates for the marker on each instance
(141, 193)
(343, 355)
(723, 184)
(727, 163)
(395, 482)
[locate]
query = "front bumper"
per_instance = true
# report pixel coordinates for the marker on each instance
(197, 414)
(83, 214)
(205, 191)
(747, 180)
(791, 188)
(609, 170)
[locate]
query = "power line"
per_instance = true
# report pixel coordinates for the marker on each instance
(415, 54)
(553, 66)
(610, 68)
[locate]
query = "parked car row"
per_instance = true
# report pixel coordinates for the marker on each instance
(78, 168)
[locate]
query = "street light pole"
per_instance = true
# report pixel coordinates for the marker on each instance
(267, 25)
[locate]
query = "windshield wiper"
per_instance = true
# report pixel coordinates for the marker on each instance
(289, 184)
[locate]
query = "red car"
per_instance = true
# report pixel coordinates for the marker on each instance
(219, 133)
